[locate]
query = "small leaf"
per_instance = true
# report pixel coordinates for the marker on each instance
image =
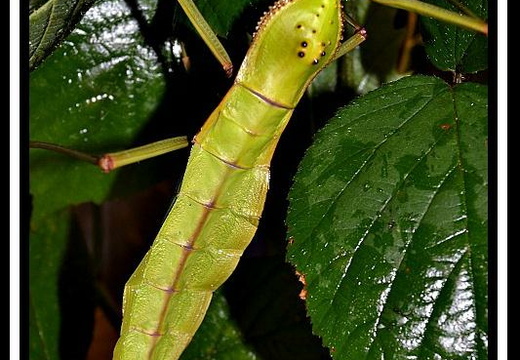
(388, 224)
(453, 48)
(50, 21)
(218, 336)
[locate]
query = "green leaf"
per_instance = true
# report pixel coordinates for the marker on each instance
(218, 336)
(453, 48)
(61, 290)
(388, 224)
(50, 21)
(94, 94)
(46, 248)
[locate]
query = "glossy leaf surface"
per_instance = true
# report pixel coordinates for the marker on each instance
(388, 224)
(94, 95)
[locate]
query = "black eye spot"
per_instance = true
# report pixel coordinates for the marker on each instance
(304, 44)
(323, 53)
(299, 26)
(314, 31)
(301, 54)
(315, 62)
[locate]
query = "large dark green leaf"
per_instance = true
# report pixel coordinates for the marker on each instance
(388, 224)
(452, 48)
(95, 93)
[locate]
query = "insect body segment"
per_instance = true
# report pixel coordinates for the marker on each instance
(221, 199)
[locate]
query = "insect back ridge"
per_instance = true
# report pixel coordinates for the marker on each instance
(293, 42)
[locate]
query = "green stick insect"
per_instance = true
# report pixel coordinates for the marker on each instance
(218, 208)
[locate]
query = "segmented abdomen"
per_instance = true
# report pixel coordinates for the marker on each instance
(212, 221)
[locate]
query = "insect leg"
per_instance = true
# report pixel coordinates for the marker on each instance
(467, 21)
(351, 43)
(209, 37)
(111, 161)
